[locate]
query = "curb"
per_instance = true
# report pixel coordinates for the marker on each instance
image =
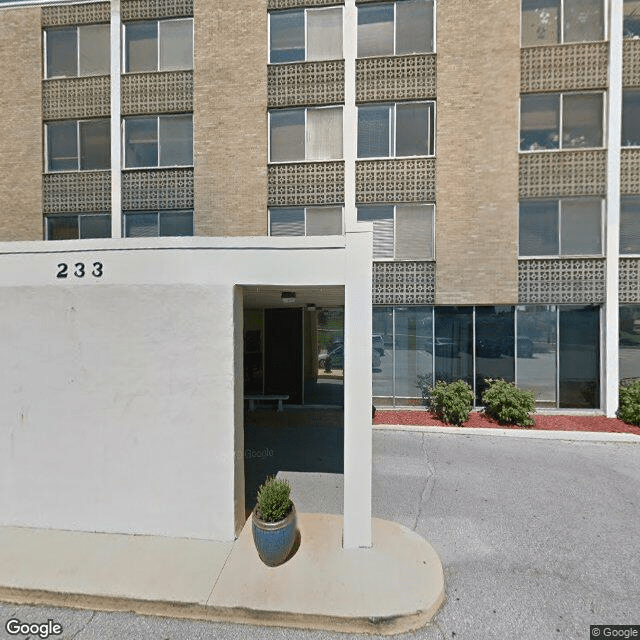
(585, 436)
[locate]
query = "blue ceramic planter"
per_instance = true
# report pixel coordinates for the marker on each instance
(274, 540)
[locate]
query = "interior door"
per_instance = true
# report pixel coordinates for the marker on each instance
(283, 353)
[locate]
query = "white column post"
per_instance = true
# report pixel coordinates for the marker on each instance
(116, 141)
(350, 113)
(614, 117)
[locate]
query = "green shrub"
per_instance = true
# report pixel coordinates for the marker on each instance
(507, 404)
(274, 502)
(629, 406)
(451, 402)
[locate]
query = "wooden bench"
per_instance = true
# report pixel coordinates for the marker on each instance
(253, 398)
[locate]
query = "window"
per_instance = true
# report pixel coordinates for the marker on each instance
(565, 227)
(398, 28)
(305, 134)
(401, 232)
(77, 226)
(158, 45)
(561, 121)
(74, 145)
(557, 21)
(305, 34)
(396, 130)
(77, 51)
(158, 141)
(631, 23)
(305, 221)
(143, 224)
(630, 225)
(630, 118)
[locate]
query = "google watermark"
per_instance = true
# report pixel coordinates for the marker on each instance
(42, 630)
(598, 631)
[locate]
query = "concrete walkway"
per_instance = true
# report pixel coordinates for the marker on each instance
(396, 586)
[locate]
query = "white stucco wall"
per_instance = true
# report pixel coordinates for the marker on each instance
(120, 408)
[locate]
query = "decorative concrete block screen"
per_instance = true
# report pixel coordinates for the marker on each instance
(157, 189)
(85, 191)
(76, 98)
(159, 92)
(305, 83)
(306, 183)
(403, 282)
(396, 180)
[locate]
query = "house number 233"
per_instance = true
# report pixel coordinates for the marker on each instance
(79, 270)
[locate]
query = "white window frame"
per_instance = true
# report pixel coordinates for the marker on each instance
(561, 39)
(157, 212)
(560, 121)
(305, 11)
(393, 132)
(78, 154)
(156, 166)
(560, 255)
(123, 60)
(306, 110)
(68, 214)
(395, 234)
(395, 33)
(78, 74)
(305, 207)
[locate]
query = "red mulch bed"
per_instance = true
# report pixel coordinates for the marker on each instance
(480, 420)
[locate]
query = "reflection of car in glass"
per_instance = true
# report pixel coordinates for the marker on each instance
(496, 347)
(445, 347)
(378, 343)
(336, 358)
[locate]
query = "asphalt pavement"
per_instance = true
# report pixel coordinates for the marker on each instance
(538, 539)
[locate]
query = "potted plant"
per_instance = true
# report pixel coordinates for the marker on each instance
(274, 522)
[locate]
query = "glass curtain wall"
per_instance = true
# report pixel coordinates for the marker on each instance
(629, 343)
(551, 350)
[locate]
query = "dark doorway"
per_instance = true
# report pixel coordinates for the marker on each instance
(283, 353)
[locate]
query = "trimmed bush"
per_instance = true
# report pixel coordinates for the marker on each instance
(629, 406)
(451, 402)
(274, 502)
(507, 404)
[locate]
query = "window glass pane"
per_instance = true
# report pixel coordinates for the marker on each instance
(62, 227)
(286, 31)
(382, 323)
(324, 221)
(539, 122)
(414, 26)
(324, 134)
(94, 50)
(629, 343)
(382, 217)
(176, 223)
(287, 135)
(630, 224)
(141, 225)
(583, 20)
(413, 129)
(454, 344)
(495, 346)
(540, 22)
(375, 30)
(62, 52)
(537, 342)
(631, 27)
(62, 146)
(539, 228)
(581, 226)
(413, 356)
(582, 120)
(95, 147)
(579, 356)
(176, 141)
(414, 231)
(141, 42)
(141, 142)
(286, 222)
(324, 34)
(373, 131)
(95, 226)
(630, 118)
(324, 335)
(176, 44)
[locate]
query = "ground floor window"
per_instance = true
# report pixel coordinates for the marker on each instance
(552, 350)
(77, 226)
(629, 344)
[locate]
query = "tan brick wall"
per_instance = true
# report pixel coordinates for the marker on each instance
(21, 138)
(478, 70)
(230, 117)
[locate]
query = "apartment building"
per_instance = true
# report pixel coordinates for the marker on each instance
(494, 146)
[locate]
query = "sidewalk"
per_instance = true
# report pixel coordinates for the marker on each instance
(396, 586)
